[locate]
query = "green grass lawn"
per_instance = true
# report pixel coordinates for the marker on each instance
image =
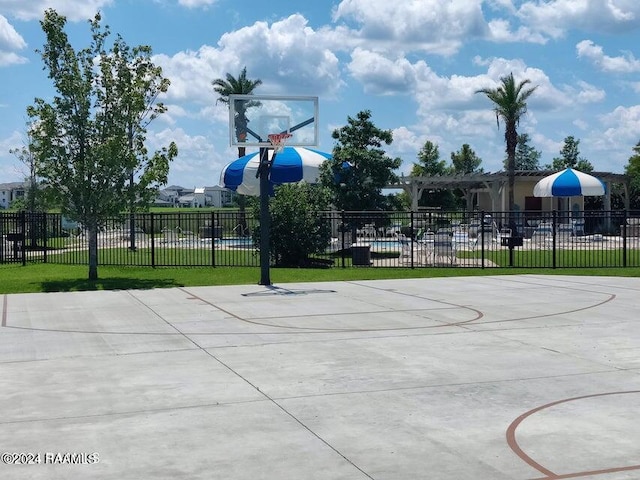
(54, 278)
(563, 259)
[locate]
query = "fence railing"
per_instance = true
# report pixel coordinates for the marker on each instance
(357, 239)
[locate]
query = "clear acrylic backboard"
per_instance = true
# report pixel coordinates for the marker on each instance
(253, 117)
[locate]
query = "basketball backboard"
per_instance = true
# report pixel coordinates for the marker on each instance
(253, 117)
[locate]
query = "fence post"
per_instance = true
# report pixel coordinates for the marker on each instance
(554, 220)
(343, 227)
(481, 234)
(2, 253)
(213, 238)
(153, 240)
(411, 239)
(624, 237)
(45, 219)
(23, 220)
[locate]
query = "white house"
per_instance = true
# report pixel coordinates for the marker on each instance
(12, 191)
(220, 196)
(176, 195)
(199, 197)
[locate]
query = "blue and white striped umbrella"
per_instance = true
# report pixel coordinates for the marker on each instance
(293, 164)
(569, 183)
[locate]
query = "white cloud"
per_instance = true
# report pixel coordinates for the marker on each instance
(196, 3)
(581, 124)
(191, 73)
(501, 32)
(288, 56)
(439, 27)
(381, 75)
(450, 110)
(289, 52)
(623, 126)
(428, 25)
(10, 58)
(555, 17)
(542, 142)
(406, 140)
(74, 10)
(10, 40)
(585, 93)
(197, 157)
(595, 53)
(547, 96)
(432, 92)
(502, 5)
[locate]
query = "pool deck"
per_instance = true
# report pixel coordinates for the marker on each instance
(514, 377)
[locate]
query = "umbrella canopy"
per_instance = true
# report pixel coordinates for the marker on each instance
(569, 183)
(293, 164)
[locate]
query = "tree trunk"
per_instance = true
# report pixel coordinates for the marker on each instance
(512, 180)
(93, 253)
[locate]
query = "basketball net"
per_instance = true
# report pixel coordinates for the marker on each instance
(278, 140)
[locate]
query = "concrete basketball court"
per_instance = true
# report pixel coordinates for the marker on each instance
(496, 377)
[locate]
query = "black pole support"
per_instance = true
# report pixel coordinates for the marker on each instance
(265, 217)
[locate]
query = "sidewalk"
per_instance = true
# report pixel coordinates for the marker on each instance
(479, 378)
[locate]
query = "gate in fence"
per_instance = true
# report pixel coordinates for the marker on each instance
(23, 237)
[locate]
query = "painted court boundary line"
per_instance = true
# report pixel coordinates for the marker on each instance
(549, 475)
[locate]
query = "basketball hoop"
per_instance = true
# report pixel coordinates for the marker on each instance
(278, 140)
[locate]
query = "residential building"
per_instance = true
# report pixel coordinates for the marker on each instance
(176, 195)
(12, 191)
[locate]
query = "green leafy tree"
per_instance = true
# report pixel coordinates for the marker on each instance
(632, 169)
(34, 201)
(510, 105)
(360, 168)
(241, 85)
(298, 230)
(138, 85)
(465, 160)
(570, 157)
(430, 164)
(19, 204)
(87, 141)
(527, 157)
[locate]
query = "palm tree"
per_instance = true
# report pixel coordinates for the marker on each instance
(237, 86)
(510, 104)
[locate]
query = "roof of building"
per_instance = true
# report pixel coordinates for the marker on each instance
(481, 179)
(13, 185)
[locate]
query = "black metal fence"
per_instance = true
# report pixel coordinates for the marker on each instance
(358, 239)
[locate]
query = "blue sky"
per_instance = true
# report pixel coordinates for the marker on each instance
(414, 63)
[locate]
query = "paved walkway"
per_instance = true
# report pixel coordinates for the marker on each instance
(479, 378)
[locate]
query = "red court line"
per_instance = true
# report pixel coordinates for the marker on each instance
(513, 443)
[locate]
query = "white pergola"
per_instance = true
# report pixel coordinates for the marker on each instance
(495, 184)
